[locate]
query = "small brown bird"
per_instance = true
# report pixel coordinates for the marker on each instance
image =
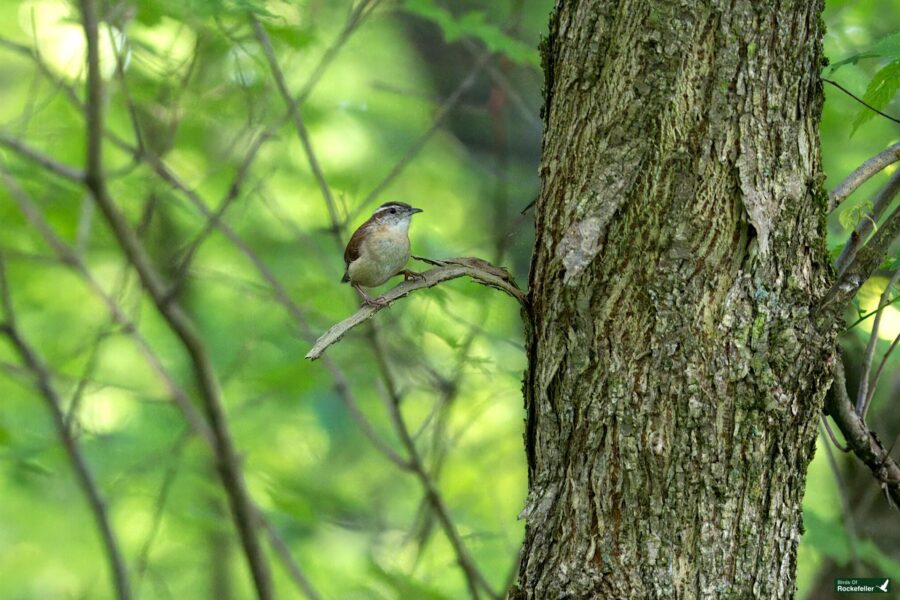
(379, 249)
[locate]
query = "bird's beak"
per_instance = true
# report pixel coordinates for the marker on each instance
(413, 211)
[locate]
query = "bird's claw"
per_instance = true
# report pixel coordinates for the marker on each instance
(412, 275)
(375, 302)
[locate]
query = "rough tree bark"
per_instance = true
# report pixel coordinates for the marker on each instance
(676, 374)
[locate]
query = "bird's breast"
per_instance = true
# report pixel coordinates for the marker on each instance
(384, 252)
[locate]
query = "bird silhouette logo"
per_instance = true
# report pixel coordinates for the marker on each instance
(884, 586)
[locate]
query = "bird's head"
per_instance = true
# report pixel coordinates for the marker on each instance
(394, 214)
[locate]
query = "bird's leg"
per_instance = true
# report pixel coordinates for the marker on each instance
(411, 275)
(370, 301)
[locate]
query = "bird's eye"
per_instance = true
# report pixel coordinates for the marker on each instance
(393, 211)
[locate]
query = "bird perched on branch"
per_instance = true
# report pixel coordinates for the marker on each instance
(379, 249)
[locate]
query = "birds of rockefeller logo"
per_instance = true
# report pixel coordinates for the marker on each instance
(862, 585)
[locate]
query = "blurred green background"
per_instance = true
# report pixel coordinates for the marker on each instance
(435, 104)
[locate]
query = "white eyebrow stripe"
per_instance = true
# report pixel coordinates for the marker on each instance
(388, 207)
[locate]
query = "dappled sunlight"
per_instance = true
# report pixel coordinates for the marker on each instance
(60, 38)
(219, 269)
(869, 298)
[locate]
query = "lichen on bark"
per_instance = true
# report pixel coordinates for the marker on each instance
(675, 376)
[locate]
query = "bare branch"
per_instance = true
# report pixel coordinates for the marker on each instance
(282, 550)
(196, 421)
(864, 394)
(849, 521)
(83, 474)
(874, 385)
(47, 162)
(357, 15)
(863, 264)
(862, 174)
(862, 231)
(479, 270)
(281, 296)
(832, 437)
(162, 498)
(474, 578)
(442, 113)
(68, 257)
(294, 113)
(243, 511)
(862, 441)
(234, 191)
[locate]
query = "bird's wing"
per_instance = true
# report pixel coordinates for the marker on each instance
(352, 251)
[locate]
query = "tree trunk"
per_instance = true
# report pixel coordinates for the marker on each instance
(675, 373)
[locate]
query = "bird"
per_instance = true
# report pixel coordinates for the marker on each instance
(379, 249)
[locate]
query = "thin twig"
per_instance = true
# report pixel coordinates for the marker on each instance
(870, 314)
(161, 500)
(281, 549)
(881, 365)
(69, 258)
(71, 415)
(294, 112)
(234, 191)
(863, 394)
(474, 578)
(863, 264)
(336, 225)
(280, 295)
(862, 174)
(867, 223)
(119, 571)
(478, 270)
(832, 437)
(849, 521)
(51, 164)
(860, 100)
(227, 462)
(355, 18)
(195, 420)
(442, 113)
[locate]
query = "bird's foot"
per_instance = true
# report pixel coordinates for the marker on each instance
(375, 302)
(367, 301)
(411, 275)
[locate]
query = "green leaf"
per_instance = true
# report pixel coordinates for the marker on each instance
(474, 24)
(292, 35)
(880, 91)
(850, 218)
(832, 540)
(888, 46)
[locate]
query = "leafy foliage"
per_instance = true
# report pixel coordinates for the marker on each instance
(852, 215)
(888, 47)
(832, 540)
(880, 91)
(200, 92)
(474, 24)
